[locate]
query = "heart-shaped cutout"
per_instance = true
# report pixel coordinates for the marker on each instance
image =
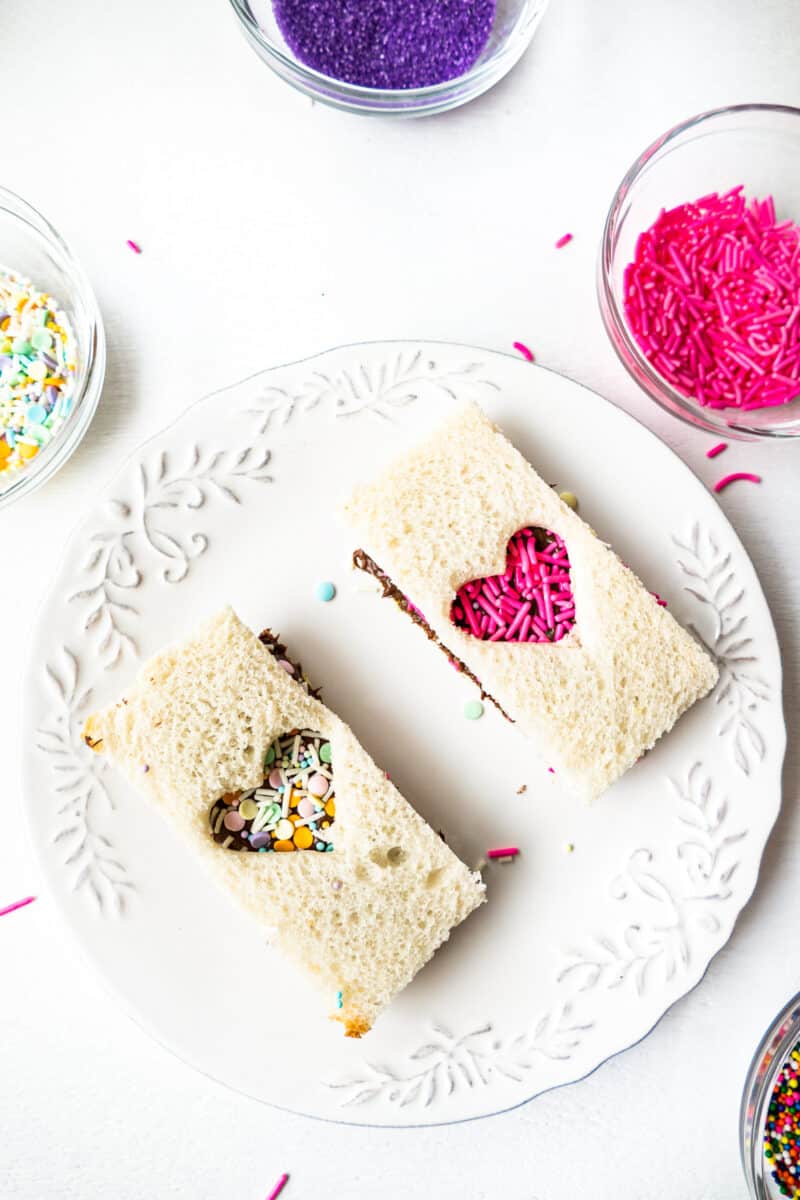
(293, 809)
(531, 601)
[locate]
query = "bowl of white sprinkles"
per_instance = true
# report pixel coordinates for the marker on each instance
(52, 350)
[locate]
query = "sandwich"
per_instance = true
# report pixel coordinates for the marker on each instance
(527, 601)
(224, 735)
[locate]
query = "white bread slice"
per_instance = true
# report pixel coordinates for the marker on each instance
(201, 716)
(592, 703)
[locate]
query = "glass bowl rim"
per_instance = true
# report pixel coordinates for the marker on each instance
(478, 73)
(656, 386)
(92, 377)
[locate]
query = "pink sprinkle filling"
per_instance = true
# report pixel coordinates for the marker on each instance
(715, 450)
(712, 298)
(524, 351)
(503, 852)
(531, 601)
(726, 479)
(564, 240)
(135, 247)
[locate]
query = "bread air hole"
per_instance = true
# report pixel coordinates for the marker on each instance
(388, 858)
(434, 877)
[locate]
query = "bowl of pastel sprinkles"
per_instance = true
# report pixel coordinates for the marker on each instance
(52, 350)
(390, 57)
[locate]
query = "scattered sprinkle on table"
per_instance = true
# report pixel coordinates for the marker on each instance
(279, 1186)
(524, 351)
(782, 1128)
(522, 789)
(339, 1000)
(326, 591)
(570, 499)
(732, 478)
(570, 847)
(712, 298)
(17, 904)
(715, 450)
(503, 853)
(563, 241)
(135, 247)
(473, 710)
(387, 43)
(38, 363)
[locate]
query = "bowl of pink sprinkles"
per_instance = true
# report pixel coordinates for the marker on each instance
(699, 274)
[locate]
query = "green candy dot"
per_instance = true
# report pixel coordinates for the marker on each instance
(270, 756)
(325, 753)
(473, 710)
(41, 339)
(21, 345)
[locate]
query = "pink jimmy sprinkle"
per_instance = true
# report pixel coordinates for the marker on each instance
(531, 601)
(564, 240)
(711, 298)
(524, 351)
(727, 479)
(503, 852)
(17, 904)
(715, 450)
(135, 247)
(279, 1186)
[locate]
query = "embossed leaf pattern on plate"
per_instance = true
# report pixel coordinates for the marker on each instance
(155, 527)
(79, 789)
(377, 390)
(741, 689)
(655, 947)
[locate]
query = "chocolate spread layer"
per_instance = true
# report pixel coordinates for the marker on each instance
(277, 649)
(364, 563)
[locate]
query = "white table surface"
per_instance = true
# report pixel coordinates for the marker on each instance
(272, 228)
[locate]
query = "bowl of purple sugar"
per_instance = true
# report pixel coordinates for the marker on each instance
(404, 58)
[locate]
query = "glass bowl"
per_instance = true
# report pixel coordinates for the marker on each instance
(770, 1056)
(31, 246)
(757, 145)
(515, 24)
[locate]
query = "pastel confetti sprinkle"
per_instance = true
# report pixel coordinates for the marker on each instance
(715, 450)
(326, 591)
(135, 247)
(473, 710)
(524, 351)
(38, 363)
(531, 601)
(732, 478)
(339, 1000)
(503, 852)
(279, 1186)
(563, 241)
(17, 904)
(712, 298)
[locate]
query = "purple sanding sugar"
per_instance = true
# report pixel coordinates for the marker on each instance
(387, 43)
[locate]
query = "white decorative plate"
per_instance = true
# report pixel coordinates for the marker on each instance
(577, 954)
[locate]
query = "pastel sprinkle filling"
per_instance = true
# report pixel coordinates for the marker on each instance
(712, 298)
(38, 363)
(293, 809)
(531, 601)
